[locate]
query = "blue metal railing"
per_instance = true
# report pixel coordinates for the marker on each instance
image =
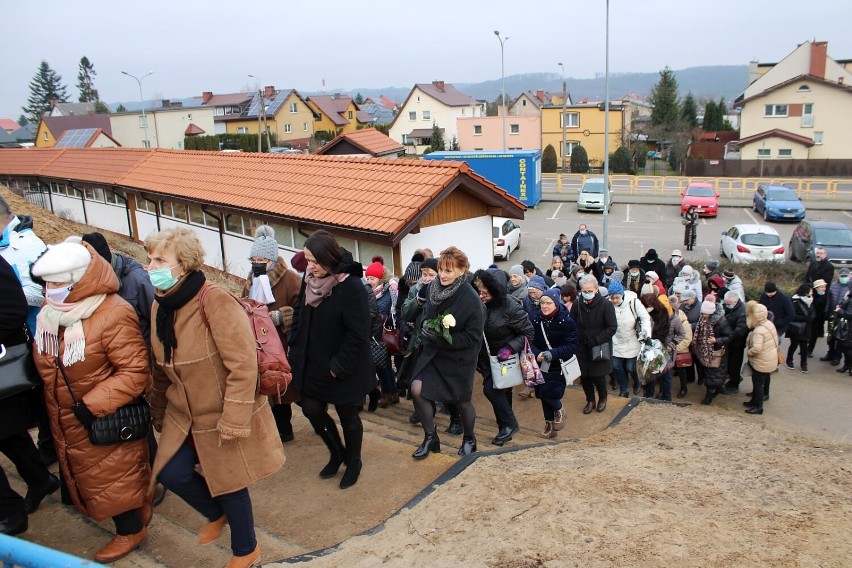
(15, 552)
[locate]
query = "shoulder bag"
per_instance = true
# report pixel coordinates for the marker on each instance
(18, 372)
(570, 368)
(504, 374)
(130, 422)
(529, 366)
(379, 353)
(601, 352)
(391, 336)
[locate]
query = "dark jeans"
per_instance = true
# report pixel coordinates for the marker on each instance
(11, 504)
(128, 522)
(387, 379)
(802, 344)
(179, 477)
(22, 452)
(736, 351)
(550, 406)
(760, 382)
(590, 384)
(624, 368)
(501, 402)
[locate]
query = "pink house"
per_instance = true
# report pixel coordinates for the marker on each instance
(485, 133)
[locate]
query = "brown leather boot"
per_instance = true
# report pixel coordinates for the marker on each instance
(394, 398)
(212, 530)
(120, 546)
(385, 400)
(252, 559)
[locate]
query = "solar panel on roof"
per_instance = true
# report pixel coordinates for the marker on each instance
(75, 138)
(272, 105)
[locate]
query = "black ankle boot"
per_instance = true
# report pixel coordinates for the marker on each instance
(455, 427)
(374, 396)
(682, 392)
(431, 443)
(708, 398)
(350, 476)
(335, 447)
(468, 446)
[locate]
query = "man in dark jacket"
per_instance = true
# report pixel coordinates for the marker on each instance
(602, 262)
(596, 323)
(837, 293)
(652, 262)
(634, 277)
(735, 313)
(780, 305)
(530, 270)
(584, 239)
(820, 269)
(562, 249)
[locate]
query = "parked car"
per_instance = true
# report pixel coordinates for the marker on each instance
(833, 236)
(777, 203)
(703, 197)
(284, 150)
(506, 236)
(591, 196)
(747, 243)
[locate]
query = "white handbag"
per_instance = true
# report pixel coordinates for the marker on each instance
(570, 368)
(504, 374)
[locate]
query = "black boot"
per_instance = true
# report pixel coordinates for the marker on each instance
(335, 447)
(468, 446)
(353, 436)
(708, 398)
(431, 443)
(455, 427)
(374, 396)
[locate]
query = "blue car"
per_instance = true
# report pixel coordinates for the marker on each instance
(778, 203)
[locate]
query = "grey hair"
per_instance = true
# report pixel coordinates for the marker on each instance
(589, 278)
(820, 249)
(732, 295)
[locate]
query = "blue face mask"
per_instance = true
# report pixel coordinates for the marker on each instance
(584, 233)
(4, 239)
(844, 279)
(820, 292)
(588, 296)
(162, 278)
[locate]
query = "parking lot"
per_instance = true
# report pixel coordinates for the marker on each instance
(634, 228)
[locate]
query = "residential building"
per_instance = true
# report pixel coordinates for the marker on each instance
(86, 138)
(584, 125)
(429, 104)
(367, 143)
(530, 103)
(289, 117)
(8, 125)
(380, 114)
(225, 105)
(798, 108)
(71, 109)
(337, 113)
(51, 128)
(166, 126)
(486, 133)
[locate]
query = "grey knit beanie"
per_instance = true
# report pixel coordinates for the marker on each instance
(265, 245)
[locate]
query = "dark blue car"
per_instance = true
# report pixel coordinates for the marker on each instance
(778, 203)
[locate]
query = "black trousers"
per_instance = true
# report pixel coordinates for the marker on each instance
(11, 504)
(802, 344)
(22, 452)
(501, 402)
(283, 414)
(760, 382)
(736, 351)
(590, 384)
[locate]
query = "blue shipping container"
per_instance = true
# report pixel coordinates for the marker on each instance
(518, 172)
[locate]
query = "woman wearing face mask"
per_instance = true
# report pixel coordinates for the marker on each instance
(669, 331)
(86, 334)
(683, 373)
(634, 278)
(517, 284)
(710, 340)
(272, 283)
(799, 330)
(217, 434)
(444, 370)
(625, 342)
(586, 261)
(673, 267)
(597, 325)
(819, 305)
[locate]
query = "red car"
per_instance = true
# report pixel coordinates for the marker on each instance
(703, 197)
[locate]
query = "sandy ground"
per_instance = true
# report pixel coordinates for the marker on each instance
(667, 487)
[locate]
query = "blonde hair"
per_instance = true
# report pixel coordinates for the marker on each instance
(183, 242)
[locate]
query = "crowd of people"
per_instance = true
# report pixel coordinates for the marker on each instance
(107, 332)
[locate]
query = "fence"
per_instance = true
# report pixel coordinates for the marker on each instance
(776, 168)
(21, 553)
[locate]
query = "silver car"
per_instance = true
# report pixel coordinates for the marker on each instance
(591, 196)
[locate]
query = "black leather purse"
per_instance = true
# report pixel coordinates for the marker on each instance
(130, 422)
(18, 372)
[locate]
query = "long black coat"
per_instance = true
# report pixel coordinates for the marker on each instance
(507, 324)
(334, 336)
(136, 289)
(819, 270)
(802, 313)
(16, 412)
(737, 322)
(782, 310)
(596, 323)
(715, 377)
(447, 369)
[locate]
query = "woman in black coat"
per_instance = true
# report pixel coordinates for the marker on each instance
(330, 353)
(596, 321)
(17, 414)
(555, 341)
(444, 369)
(507, 325)
(799, 329)
(712, 334)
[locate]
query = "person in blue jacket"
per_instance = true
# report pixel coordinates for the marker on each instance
(555, 341)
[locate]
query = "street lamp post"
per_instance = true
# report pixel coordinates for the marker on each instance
(606, 137)
(564, 102)
(261, 109)
(142, 100)
(502, 41)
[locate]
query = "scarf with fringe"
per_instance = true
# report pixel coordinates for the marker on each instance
(68, 315)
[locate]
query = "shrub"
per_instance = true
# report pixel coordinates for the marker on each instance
(548, 160)
(579, 160)
(621, 161)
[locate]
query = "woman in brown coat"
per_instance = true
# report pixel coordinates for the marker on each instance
(94, 334)
(218, 435)
(270, 282)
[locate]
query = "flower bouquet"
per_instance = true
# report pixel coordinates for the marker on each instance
(441, 325)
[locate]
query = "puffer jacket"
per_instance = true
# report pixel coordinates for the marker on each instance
(506, 322)
(21, 250)
(136, 289)
(762, 341)
(103, 481)
(683, 346)
(561, 333)
(737, 322)
(625, 343)
(715, 377)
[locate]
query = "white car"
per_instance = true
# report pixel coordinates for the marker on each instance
(591, 196)
(506, 236)
(748, 243)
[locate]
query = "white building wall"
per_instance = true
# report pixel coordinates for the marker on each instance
(107, 216)
(68, 208)
(146, 223)
(166, 128)
(473, 236)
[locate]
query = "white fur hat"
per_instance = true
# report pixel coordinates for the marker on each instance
(652, 275)
(65, 262)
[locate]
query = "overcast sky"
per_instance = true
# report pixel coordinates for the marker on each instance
(213, 45)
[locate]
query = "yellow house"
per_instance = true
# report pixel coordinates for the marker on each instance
(51, 128)
(337, 113)
(584, 125)
(288, 117)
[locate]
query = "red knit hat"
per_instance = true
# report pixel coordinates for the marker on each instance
(377, 268)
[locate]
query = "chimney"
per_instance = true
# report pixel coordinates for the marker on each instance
(166, 103)
(269, 91)
(439, 85)
(540, 95)
(752, 71)
(819, 52)
(206, 96)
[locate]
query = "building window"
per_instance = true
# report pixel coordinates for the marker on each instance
(569, 148)
(242, 129)
(146, 143)
(418, 98)
(804, 89)
(427, 115)
(189, 116)
(145, 205)
(111, 197)
(46, 137)
(349, 114)
(807, 115)
(524, 103)
(94, 194)
(305, 126)
(143, 121)
(570, 120)
(764, 152)
(241, 225)
(775, 110)
(283, 234)
(199, 217)
(817, 138)
(412, 116)
(287, 129)
(294, 108)
(477, 130)
(173, 210)
(785, 153)
(463, 112)
(514, 128)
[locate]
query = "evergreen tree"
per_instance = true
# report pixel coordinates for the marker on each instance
(85, 81)
(22, 120)
(120, 108)
(710, 117)
(721, 111)
(689, 111)
(664, 98)
(621, 162)
(579, 160)
(101, 108)
(454, 145)
(359, 100)
(548, 160)
(437, 139)
(45, 86)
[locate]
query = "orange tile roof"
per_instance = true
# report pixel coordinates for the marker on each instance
(368, 139)
(382, 196)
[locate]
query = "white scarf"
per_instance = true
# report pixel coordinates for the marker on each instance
(54, 315)
(261, 290)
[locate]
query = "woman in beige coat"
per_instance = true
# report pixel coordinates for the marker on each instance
(762, 351)
(683, 346)
(94, 334)
(218, 435)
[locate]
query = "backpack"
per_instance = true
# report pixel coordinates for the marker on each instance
(273, 370)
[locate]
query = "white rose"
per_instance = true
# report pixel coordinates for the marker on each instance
(448, 321)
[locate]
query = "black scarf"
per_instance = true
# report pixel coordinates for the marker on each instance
(166, 314)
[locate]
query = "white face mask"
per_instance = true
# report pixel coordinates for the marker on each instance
(57, 295)
(675, 259)
(604, 259)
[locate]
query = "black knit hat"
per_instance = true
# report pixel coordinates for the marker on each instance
(633, 264)
(430, 263)
(99, 243)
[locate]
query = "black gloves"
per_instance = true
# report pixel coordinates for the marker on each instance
(422, 294)
(428, 333)
(83, 414)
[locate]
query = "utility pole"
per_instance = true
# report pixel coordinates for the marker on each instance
(564, 103)
(606, 138)
(259, 120)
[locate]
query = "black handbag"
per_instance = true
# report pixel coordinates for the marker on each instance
(602, 352)
(130, 422)
(18, 372)
(379, 353)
